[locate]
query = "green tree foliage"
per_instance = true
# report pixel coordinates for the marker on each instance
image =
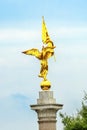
(78, 122)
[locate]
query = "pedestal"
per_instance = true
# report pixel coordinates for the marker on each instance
(46, 109)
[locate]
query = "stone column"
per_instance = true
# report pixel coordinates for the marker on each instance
(46, 109)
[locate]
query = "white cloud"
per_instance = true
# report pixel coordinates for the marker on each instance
(69, 32)
(68, 74)
(17, 34)
(23, 34)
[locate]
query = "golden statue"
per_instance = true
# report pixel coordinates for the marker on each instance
(43, 55)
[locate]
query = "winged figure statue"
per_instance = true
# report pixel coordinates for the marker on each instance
(46, 52)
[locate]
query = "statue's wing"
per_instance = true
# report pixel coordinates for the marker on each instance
(33, 52)
(45, 35)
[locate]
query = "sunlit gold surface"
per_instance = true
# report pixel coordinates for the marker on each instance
(45, 85)
(46, 52)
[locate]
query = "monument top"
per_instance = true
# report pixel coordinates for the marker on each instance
(43, 55)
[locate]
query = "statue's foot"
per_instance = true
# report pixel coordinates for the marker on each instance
(40, 76)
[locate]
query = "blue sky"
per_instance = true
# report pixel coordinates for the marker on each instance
(20, 29)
